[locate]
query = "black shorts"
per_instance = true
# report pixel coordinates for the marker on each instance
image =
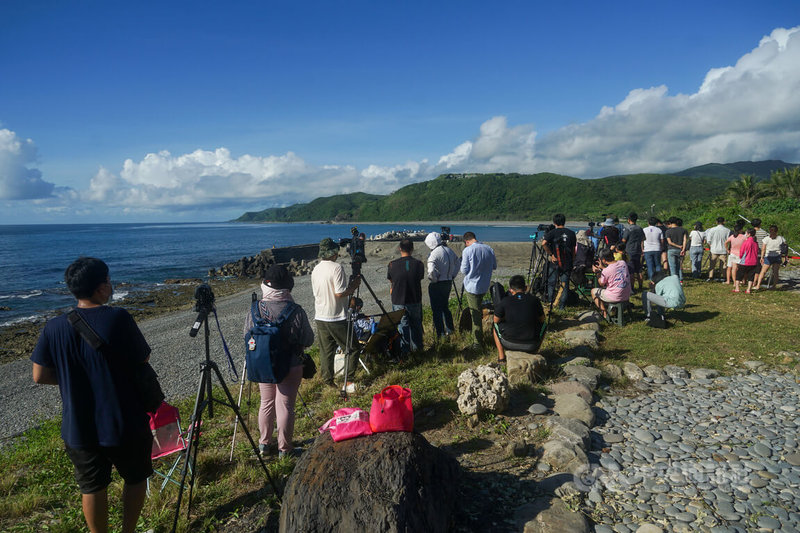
(746, 272)
(93, 465)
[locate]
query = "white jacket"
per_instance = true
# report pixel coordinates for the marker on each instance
(443, 263)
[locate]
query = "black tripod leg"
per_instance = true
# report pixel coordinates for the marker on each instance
(191, 447)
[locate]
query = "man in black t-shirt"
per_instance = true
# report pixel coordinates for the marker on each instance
(518, 318)
(103, 422)
(559, 244)
(405, 275)
(633, 239)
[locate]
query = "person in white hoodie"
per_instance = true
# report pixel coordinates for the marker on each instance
(443, 266)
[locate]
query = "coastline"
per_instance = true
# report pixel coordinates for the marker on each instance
(167, 318)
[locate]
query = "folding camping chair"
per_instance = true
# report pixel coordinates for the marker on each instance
(168, 439)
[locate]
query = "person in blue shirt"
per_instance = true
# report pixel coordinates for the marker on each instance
(477, 263)
(103, 420)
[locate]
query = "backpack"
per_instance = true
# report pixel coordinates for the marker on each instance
(497, 292)
(657, 320)
(266, 349)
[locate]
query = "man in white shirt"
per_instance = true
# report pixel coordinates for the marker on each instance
(653, 245)
(716, 238)
(331, 292)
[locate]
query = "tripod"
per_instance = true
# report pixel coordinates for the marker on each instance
(537, 269)
(204, 400)
(349, 349)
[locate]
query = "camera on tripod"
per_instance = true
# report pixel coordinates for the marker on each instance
(204, 298)
(355, 247)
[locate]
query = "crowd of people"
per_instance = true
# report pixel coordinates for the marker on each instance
(104, 424)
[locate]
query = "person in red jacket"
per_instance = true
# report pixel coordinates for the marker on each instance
(748, 262)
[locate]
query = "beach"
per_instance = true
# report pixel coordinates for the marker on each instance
(176, 356)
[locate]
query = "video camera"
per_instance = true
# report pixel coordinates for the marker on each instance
(355, 247)
(445, 235)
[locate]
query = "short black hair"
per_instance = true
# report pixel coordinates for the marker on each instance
(672, 220)
(517, 283)
(559, 219)
(606, 254)
(653, 221)
(633, 216)
(756, 222)
(468, 236)
(85, 275)
(679, 221)
(406, 245)
(720, 220)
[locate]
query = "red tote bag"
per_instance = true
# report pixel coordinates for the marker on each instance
(392, 410)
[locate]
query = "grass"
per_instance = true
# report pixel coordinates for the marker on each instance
(717, 328)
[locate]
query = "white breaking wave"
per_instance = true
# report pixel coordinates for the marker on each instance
(31, 318)
(24, 296)
(119, 296)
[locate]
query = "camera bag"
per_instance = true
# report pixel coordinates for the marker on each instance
(267, 352)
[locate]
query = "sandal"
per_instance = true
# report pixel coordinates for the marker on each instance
(736, 290)
(747, 291)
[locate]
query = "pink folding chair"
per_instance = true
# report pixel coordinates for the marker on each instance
(168, 439)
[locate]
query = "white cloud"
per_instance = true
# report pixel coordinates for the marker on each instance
(747, 111)
(17, 181)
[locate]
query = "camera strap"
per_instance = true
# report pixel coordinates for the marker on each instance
(234, 376)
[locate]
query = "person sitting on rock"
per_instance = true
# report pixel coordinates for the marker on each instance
(518, 320)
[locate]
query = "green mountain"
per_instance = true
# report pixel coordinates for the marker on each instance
(732, 171)
(503, 197)
(341, 207)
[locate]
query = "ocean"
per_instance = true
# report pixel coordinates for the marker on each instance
(142, 256)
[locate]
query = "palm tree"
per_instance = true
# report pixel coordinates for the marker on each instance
(785, 183)
(745, 192)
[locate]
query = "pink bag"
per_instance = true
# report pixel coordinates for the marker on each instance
(347, 423)
(392, 410)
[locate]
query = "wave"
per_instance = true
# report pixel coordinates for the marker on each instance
(30, 318)
(119, 296)
(22, 296)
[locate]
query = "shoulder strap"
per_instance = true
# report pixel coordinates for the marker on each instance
(286, 313)
(86, 332)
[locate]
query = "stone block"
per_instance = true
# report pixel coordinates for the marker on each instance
(573, 406)
(524, 367)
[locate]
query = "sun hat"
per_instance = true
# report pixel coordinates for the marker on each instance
(327, 248)
(609, 222)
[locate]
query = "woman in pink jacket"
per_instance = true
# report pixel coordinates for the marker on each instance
(748, 262)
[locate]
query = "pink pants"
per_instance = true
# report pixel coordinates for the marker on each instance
(284, 395)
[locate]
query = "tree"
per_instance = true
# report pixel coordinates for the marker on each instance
(785, 183)
(746, 191)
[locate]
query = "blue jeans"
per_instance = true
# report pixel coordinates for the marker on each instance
(410, 327)
(554, 281)
(675, 261)
(653, 261)
(439, 293)
(696, 257)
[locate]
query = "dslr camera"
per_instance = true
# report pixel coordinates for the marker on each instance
(204, 298)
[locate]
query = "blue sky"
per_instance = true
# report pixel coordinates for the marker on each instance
(198, 111)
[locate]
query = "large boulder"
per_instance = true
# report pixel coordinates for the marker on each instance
(588, 375)
(571, 387)
(563, 456)
(392, 482)
(632, 371)
(483, 389)
(524, 367)
(573, 431)
(579, 336)
(571, 405)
